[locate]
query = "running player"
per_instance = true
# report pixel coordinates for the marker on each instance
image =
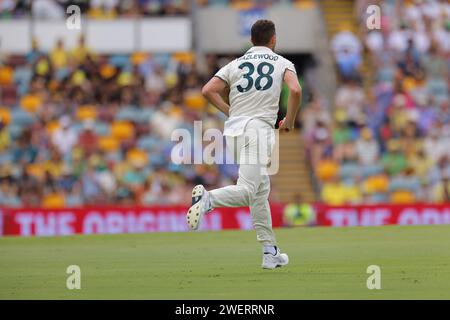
(254, 82)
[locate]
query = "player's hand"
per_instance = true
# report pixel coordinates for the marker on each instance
(284, 125)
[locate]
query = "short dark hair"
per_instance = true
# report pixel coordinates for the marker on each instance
(262, 31)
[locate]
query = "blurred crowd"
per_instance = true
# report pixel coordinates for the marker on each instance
(78, 128)
(250, 4)
(110, 9)
(96, 9)
(387, 136)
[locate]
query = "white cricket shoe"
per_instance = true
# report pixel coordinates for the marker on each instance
(201, 205)
(271, 261)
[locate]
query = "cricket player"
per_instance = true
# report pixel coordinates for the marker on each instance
(254, 82)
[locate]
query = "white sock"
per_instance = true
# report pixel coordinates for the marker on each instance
(270, 249)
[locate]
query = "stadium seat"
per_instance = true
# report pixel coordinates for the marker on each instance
(137, 157)
(35, 170)
(122, 130)
(102, 128)
(120, 61)
(138, 58)
(107, 71)
(21, 117)
(5, 158)
(305, 4)
(148, 142)
(376, 184)
(402, 197)
(22, 77)
(402, 183)
(5, 115)
(145, 114)
(52, 126)
(30, 102)
(53, 200)
(438, 89)
(195, 101)
(349, 170)
(369, 170)
(86, 112)
(127, 114)
(6, 76)
(327, 169)
(108, 143)
(15, 130)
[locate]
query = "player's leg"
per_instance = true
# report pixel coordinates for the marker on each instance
(241, 194)
(260, 211)
(262, 222)
(238, 195)
(246, 150)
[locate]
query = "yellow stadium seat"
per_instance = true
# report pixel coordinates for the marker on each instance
(242, 4)
(35, 170)
(137, 157)
(107, 71)
(327, 169)
(30, 102)
(184, 57)
(176, 112)
(377, 183)
(195, 101)
(305, 4)
(6, 76)
(409, 83)
(138, 58)
(86, 113)
(402, 197)
(53, 200)
(52, 126)
(122, 130)
(5, 115)
(108, 144)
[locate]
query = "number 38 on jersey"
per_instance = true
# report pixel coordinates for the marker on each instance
(261, 80)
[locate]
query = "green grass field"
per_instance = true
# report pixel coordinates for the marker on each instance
(325, 263)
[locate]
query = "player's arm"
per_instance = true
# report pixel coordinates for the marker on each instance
(213, 92)
(295, 96)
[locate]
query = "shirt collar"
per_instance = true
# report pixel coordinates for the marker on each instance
(259, 49)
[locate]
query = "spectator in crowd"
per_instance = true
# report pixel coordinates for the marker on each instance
(299, 213)
(59, 57)
(367, 148)
(348, 63)
(64, 138)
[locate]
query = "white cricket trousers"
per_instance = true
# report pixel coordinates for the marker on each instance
(252, 150)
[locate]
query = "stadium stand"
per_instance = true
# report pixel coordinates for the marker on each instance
(387, 137)
(95, 9)
(75, 128)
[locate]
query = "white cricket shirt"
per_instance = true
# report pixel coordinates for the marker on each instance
(255, 82)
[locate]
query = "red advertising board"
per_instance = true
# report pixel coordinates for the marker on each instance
(97, 220)
(376, 215)
(53, 222)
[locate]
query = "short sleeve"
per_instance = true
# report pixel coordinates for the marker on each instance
(224, 73)
(289, 66)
